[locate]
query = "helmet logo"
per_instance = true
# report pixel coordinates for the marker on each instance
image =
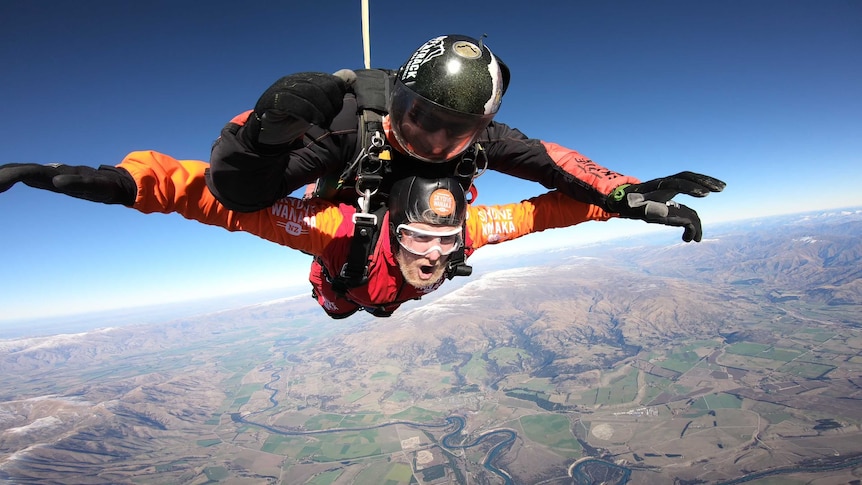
(429, 50)
(442, 202)
(467, 49)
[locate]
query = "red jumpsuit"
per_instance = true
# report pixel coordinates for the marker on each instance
(323, 229)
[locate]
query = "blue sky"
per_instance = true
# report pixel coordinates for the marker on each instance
(766, 95)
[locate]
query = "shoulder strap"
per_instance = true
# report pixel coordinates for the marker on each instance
(372, 88)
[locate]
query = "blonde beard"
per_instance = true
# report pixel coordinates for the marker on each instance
(410, 269)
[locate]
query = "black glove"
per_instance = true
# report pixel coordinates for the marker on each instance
(109, 185)
(286, 110)
(651, 201)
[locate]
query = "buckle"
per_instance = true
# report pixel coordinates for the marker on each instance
(364, 219)
(343, 273)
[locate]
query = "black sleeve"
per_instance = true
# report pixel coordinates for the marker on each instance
(511, 152)
(245, 179)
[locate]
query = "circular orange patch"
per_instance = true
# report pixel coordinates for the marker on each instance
(442, 202)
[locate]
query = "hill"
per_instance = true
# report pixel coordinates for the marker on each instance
(650, 361)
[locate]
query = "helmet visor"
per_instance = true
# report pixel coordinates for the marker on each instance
(429, 131)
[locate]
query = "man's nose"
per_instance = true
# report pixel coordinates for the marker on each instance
(437, 141)
(434, 255)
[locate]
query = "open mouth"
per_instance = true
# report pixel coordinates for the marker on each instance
(425, 271)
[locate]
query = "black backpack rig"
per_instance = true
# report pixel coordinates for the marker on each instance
(371, 173)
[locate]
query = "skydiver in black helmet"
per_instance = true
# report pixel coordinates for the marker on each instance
(352, 133)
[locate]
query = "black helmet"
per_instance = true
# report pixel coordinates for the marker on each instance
(444, 95)
(439, 201)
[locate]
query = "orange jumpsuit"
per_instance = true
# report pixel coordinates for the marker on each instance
(323, 229)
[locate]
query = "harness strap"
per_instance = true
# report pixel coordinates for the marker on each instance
(371, 88)
(366, 230)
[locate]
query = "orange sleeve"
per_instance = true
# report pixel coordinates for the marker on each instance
(497, 223)
(241, 118)
(168, 185)
(582, 168)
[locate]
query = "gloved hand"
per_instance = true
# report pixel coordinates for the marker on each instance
(651, 201)
(290, 106)
(109, 185)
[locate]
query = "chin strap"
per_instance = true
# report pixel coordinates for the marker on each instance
(457, 263)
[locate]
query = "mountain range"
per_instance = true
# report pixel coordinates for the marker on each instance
(657, 357)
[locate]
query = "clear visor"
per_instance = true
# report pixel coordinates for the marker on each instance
(429, 131)
(421, 242)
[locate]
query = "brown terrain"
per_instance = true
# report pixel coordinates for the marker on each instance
(653, 363)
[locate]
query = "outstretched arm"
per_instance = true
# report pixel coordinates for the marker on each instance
(153, 182)
(650, 201)
(498, 223)
(166, 185)
(566, 170)
(552, 165)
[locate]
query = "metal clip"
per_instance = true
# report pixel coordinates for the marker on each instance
(363, 202)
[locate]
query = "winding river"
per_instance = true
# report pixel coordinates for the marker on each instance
(448, 441)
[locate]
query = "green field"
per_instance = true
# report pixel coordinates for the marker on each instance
(680, 361)
(475, 371)
(718, 401)
(549, 430)
(622, 389)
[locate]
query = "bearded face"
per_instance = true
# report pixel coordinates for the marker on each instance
(421, 271)
(423, 251)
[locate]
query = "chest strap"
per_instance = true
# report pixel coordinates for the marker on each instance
(366, 231)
